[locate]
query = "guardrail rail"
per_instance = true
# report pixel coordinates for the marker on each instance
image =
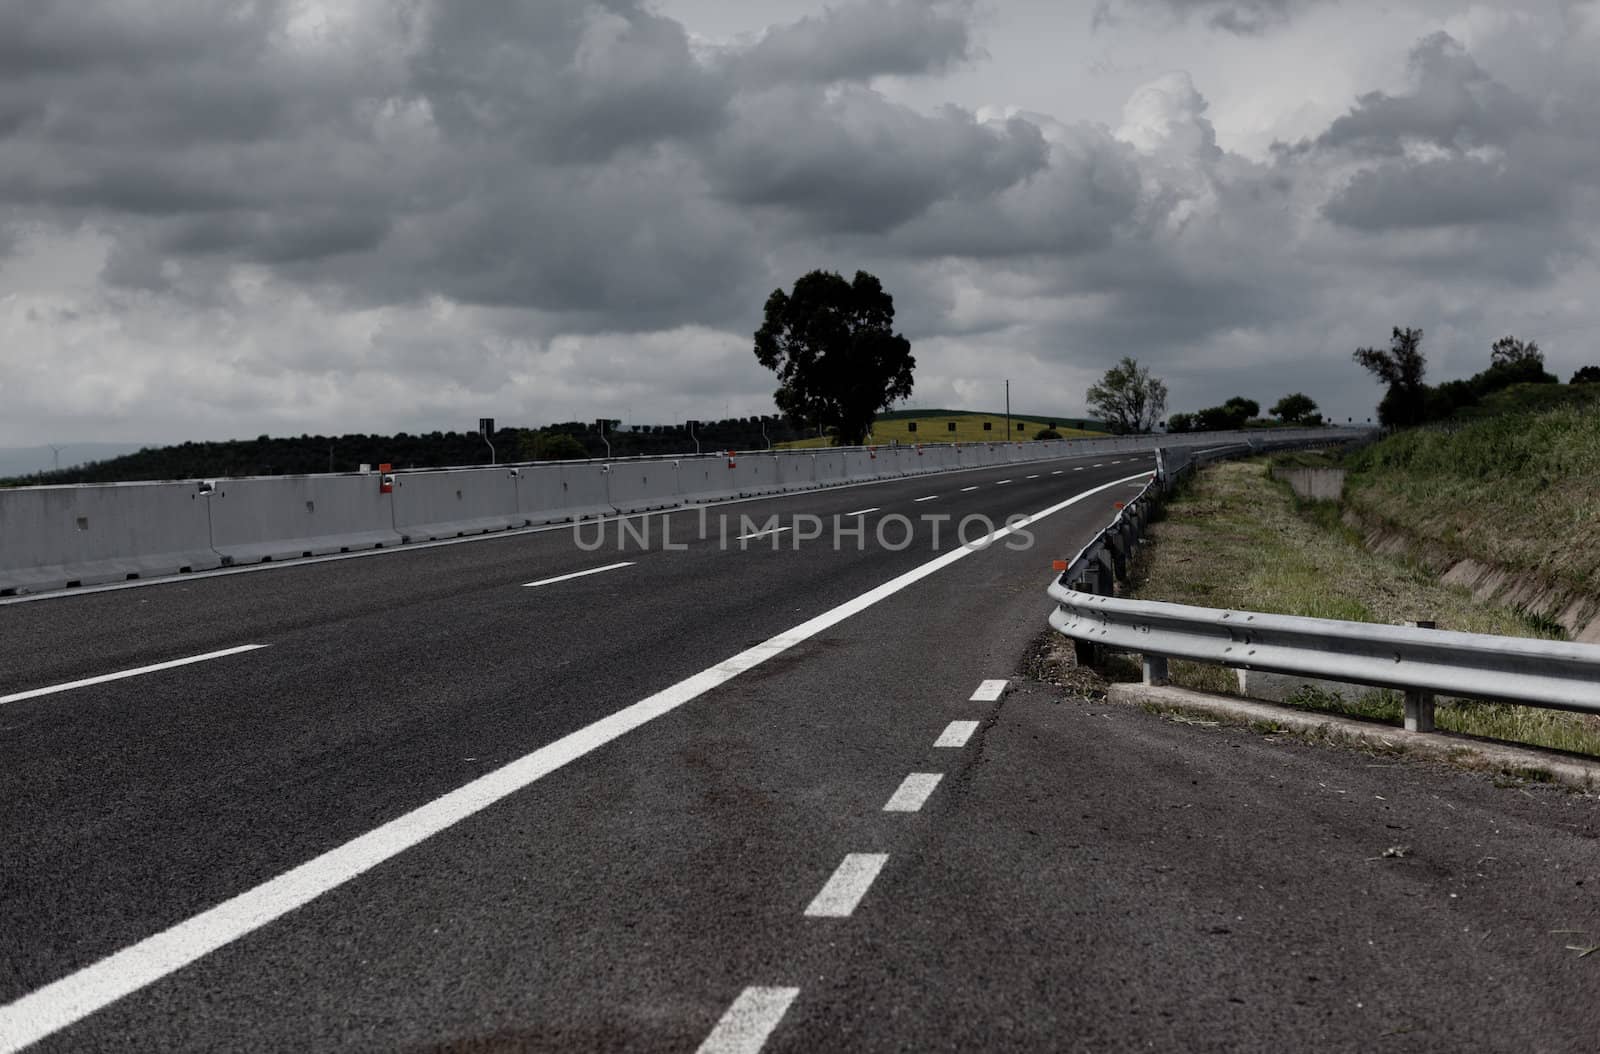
(1416, 660)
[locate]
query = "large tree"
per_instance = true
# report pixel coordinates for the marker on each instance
(1401, 366)
(1128, 399)
(833, 346)
(1294, 408)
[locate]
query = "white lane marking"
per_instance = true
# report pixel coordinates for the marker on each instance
(1001, 482)
(1058, 472)
(71, 998)
(1078, 469)
(17, 697)
(956, 734)
(850, 882)
(862, 512)
(1116, 462)
(913, 792)
(576, 574)
(1034, 476)
(988, 692)
(964, 490)
(746, 1024)
(930, 497)
(761, 534)
(1099, 464)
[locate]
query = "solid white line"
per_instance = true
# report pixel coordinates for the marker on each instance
(17, 697)
(966, 489)
(761, 534)
(913, 792)
(1001, 482)
(849, 884)
(988, 692)
(930, 497)
(576, 574)
(77, 995)
(746, 1024)
(862, 512)
(956, 734)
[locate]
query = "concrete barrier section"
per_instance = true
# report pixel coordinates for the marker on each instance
(282, 517)
(706, 479)
(797, 471)
(585, 492)
(455, 502)
(54, 537)
(829, 467)
(862, 464)
(755, 474)
(638, 486)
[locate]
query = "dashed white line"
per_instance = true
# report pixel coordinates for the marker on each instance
(17, 697)
(1078, 469)
(1058, 472)
(862, 512)
(746, 1024)
(762, 534)
(913, 792)
(1001, 482)
(966, 489)
(930, 497)
(1099, 464)
(956, 734)
(45, 1011)
(850, 882)
(988, 692)
(1034, 476)
(576, 574)
(1116, 462)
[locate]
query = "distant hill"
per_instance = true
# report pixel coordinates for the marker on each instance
(934, 426)
(26, 460)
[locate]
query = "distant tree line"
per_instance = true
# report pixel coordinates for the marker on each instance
(296, 455)
(1409, 400)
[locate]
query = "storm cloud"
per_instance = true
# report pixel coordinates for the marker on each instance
(283, 215)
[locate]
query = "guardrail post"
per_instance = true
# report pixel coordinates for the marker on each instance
(1155, 669)
(1419, 704)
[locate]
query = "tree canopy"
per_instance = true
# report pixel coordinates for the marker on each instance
(833, 346)
(1295, 408)
(1128, 399)
(1401, 366)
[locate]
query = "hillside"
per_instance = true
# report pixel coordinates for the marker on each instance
(1514, 484)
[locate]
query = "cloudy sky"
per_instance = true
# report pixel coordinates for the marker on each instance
(281, 216)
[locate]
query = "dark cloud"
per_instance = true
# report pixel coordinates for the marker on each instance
(1243, 17)
(1444, 192)
(1452, 104)
(858, 42)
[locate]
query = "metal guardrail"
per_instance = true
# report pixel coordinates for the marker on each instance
(1417, 661)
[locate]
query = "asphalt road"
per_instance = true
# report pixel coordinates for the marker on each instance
(644, 808)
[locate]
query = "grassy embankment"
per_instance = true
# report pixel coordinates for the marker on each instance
(934, 428)
(1234, 538)
(1515, 485)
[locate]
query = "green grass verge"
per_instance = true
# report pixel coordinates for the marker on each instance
(1234, 538)
(1520, 490)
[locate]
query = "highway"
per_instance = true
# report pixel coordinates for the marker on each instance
(522, 793)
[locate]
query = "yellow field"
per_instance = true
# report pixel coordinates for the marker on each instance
(936, 429)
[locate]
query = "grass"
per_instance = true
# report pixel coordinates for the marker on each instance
(934, 428)
(1520, 490)
(1234, 538)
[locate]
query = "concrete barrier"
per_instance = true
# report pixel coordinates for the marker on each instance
(281, 517)
(55, 537)
(755, 474)
(706, 479)
(861, 464)
(638, 486)
(541, 497)
(829, 467)
(585, 492)
(797, 472)
(455, 502)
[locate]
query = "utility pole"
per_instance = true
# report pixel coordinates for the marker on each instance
(1009, 437)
